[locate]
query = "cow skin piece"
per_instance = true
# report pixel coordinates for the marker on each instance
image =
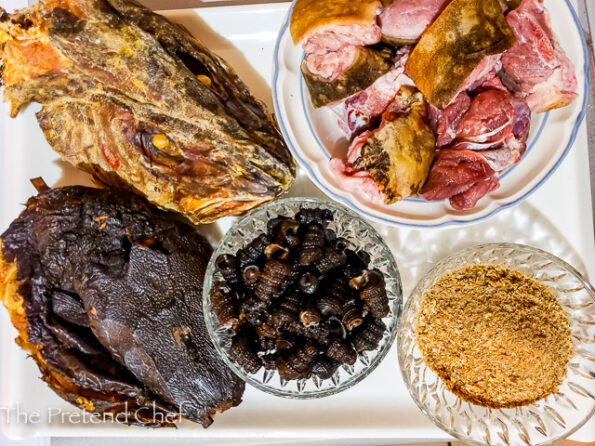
(396, 156)
(404, 21)
(364, 109)
(537, 65)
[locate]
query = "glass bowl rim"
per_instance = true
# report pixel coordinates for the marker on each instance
(346, 213)
(417, 291)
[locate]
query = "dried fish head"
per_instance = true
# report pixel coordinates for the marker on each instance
(140, 104)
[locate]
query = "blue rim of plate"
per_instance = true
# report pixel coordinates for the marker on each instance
(352, 205)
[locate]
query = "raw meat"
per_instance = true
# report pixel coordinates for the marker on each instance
(537, 65)
(352, 180)
(332, 33)
(329, 25)
(359, 111)
(448, 120)
(451, 54)
(494, 122)
(406, 20)
(335, 37)
(469, 198)
(490, 113)
(463, 176)
(355, 70)
(397, 155)
(330, 65)
(485, 70)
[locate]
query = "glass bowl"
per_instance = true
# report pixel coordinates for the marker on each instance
(363, 236)
(541, 423)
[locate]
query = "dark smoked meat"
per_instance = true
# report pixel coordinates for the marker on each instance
(139, 103)
(105, 293)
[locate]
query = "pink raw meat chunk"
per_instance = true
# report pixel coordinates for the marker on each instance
(490, 113)
(331, 49)
(494, 122)
(353, 180)
(469, 198)
(537, 65)
(335, 37)
(330, 65)
(484, 71)
(406, 20)
(463, 176)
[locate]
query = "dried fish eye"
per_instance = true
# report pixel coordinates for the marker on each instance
(308, 283)
(351, 315)
(287, 311)
(250, 275)
(369, 334)
(224, 306)
(374, 294)
(273, 279)
(319, 216)
(160, 141)
(310, 315)
(324, 367)
(206, 80)
(252, 252)
(228, 265)
(276, 251)
(330, 260)
(159, 149)
(297, 361)
(241, 353)
(341, 352)
(360, 281)
(337, 327)
(312, 245)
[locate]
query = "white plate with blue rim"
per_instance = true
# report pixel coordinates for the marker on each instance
(314, 136)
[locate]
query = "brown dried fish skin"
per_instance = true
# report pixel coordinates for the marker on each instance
(123, 74)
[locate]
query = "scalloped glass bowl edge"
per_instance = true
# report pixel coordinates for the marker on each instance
(355, 229)
(542, 423)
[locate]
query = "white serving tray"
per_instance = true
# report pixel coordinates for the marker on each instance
(557, 218)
